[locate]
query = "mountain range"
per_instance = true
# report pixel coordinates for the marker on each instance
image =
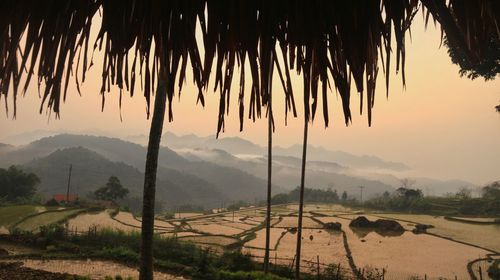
(203, 170)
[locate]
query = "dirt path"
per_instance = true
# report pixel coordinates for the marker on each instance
(97, 270)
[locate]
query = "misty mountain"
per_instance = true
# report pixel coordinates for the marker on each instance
(321, 154)
(5, 147)
(113, 149)
(429, 186)
(232, 145)
(234, 176)
(236, 146)
(220, 179)
(91, 171)
(27, 137)
(286, 171)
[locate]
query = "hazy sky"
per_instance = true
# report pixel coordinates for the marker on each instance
(441, 125)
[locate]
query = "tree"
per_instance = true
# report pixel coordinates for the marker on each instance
(386, 195)
(487, 67)
(463, 193)
(269, 181)
(301, 199)
(407, 183)
(15, 184)
(112, 191)
(492, 191)
(409, 193)
(344, 196)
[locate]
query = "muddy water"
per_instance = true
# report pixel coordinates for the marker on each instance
(410, 254)
(329, 247)
(486, 236)
(92, 269)
(128, 218)
(186, 215)
(237, 225)
(260, 239)
(307, 222)
(216, 229)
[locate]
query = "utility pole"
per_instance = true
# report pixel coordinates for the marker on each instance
(69, 183)
(361, 193)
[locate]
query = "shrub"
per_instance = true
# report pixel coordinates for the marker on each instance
(234, 261)
(121, 253)
(53, 232)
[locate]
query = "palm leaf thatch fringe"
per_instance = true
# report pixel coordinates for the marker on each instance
(327, 42)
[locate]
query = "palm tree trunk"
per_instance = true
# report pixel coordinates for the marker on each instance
(148, 202)
(269, 173)
(301, 202)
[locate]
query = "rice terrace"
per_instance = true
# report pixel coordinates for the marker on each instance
(451, 248)
(221, 139)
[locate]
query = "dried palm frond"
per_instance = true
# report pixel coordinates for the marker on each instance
(329, 43)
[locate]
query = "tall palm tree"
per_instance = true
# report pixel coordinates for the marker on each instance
(269, 182)
(301, 202)
(148, 200)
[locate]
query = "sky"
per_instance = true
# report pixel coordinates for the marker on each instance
(441, 125)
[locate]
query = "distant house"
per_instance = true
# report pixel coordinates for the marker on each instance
(62, 197)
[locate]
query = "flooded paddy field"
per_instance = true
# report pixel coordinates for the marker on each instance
(444, 252)
(397, 256)
(483, 235)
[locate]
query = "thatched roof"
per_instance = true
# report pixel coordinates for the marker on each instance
(329, 43)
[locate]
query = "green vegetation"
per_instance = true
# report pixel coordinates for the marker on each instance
(17, 185)
(488, 67)
(10, 215)
(237, 205)
(112, 191)
(310, 195)
(412, 201)
(171, 255)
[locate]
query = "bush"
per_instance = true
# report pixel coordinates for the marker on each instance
(53, 232)
(235, 261)
(121, 253)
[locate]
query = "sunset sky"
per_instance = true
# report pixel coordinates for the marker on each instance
(441, 125)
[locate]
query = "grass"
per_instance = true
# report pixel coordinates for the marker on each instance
(10, 215)
(34, 223)
(171, 255)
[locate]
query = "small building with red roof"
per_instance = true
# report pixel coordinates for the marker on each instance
(62, 197)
